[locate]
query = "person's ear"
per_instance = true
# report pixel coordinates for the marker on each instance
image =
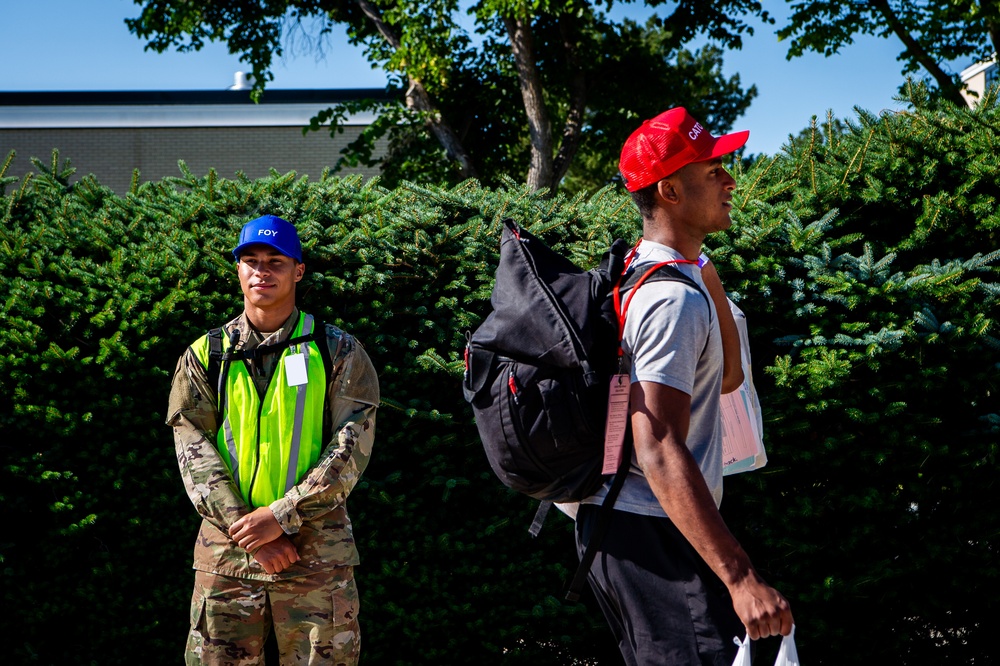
(667, 190)
(300, 270)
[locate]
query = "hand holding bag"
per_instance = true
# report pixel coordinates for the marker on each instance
(787, 654)
(743, 655)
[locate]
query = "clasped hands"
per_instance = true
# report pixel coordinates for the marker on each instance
(259, 534)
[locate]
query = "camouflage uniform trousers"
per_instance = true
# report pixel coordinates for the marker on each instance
(314, 618)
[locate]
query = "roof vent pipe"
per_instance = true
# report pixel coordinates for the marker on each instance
(241, 81)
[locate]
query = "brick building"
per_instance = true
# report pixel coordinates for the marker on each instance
(109, 134)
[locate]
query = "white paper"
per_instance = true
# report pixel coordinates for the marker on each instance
(295, 370)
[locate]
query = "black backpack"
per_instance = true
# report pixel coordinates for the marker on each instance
(538, 369)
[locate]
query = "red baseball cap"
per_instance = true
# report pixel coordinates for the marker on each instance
(668, 142)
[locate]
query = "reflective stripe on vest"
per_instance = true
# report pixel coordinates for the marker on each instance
(274, 441)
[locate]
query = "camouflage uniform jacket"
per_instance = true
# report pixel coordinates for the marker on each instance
(314, 512)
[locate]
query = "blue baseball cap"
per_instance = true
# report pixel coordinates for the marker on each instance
(270, 230)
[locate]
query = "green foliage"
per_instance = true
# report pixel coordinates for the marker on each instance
(914, 181)
(881, 373)
(597, 77)
(104, 293)
(932, 33)
(866, 261)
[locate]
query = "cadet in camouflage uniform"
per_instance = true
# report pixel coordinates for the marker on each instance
(270, 475)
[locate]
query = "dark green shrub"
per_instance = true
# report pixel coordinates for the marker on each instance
(878, 326)
(875, 347)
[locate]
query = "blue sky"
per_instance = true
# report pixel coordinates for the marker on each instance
(84, 45)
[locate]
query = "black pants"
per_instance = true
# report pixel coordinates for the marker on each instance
(664, 605)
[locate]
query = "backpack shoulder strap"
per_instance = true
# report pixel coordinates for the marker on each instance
(666, 273)
(579, 580)
(320, 337)
(214, 357)
(317, 335)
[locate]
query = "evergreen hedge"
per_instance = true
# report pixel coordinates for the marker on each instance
(864, 256)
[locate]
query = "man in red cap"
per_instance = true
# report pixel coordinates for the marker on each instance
(674, 584)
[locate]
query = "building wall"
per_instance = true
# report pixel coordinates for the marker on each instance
(975, 87)
(977, 79)
(111, 154)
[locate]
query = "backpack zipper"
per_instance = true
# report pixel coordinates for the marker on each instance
(512, 386)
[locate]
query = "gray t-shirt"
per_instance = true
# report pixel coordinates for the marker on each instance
(672, 337)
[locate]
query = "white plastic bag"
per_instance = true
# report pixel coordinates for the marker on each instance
(787, 654)
(743, 656)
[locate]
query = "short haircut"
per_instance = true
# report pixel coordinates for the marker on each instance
(645, 200)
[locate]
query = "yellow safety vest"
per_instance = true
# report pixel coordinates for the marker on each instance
(274, 441)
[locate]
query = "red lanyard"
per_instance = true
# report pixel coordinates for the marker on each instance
(621, 312)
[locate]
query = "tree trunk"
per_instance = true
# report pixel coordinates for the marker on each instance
(418, 99)
(573, 129)
(539, 128)
(949, 88)
(994, 31)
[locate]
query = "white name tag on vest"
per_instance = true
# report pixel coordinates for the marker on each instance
(614, 431)
(295, 370)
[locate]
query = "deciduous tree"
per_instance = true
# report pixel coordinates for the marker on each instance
(933, 32)
(523, 90)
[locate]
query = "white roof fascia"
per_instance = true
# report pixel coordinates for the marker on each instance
(980, 66)
(175, 115)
